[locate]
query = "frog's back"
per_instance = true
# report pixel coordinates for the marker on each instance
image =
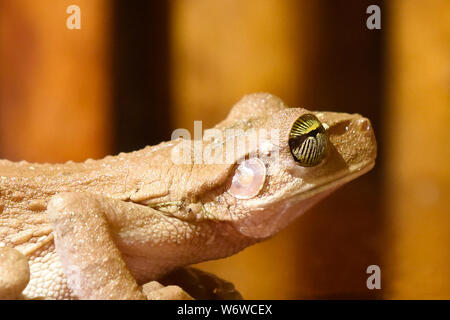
(26, 188)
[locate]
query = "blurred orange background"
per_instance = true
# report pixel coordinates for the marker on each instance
(137, 70)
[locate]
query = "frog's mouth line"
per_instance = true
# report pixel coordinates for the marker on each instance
(300, 196)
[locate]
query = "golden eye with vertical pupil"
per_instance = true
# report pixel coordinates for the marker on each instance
(308, 140)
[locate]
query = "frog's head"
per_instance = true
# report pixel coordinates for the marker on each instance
(306, 156)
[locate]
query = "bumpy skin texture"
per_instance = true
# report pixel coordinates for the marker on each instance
(128, 219)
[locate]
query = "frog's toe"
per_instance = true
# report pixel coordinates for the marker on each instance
(156, 291)
(14, 273)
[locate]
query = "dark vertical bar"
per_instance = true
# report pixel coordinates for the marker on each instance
(344, 234)
(141, 73)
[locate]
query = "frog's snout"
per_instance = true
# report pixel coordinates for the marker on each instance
(364, 124)
(364, 137)
(354, 139)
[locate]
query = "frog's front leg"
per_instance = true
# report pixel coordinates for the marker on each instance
(87, 228)
(156, 291)
(14, 273)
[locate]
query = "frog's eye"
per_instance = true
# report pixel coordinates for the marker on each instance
(308, 140)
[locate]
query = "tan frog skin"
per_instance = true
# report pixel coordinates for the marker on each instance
(102, 228)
